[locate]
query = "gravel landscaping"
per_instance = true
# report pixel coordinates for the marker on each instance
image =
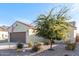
(59, 50)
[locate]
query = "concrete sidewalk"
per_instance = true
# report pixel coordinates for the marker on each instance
(9, 45)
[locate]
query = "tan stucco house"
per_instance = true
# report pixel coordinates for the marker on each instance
(20, 32)
(3, 33)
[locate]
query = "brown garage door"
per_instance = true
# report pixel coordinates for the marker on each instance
(18, 37)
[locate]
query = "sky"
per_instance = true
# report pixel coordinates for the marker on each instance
(28, 12)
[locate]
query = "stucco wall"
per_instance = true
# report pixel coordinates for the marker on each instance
(3, 35)
(34, 38)
(72, 35)
(18, 27)
(31, 32)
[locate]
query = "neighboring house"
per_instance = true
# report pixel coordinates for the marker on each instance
(72, 34)
(20, 32)
(3, 33)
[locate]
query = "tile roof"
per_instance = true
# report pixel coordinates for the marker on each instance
(28, 25)
(2, 29)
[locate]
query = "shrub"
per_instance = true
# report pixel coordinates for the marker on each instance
(19, 46)
(29, 45)
(71, 46)
(36, 47)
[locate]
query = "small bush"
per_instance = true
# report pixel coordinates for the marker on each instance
(19, 46)
(36, 47)
(29, 45)
(71, 46)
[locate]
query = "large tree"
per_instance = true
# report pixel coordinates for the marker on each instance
(54, 25)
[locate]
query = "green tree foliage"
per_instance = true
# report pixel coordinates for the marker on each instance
(54, 25)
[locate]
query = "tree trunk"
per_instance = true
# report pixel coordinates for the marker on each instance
(50, 41)
(51, 45)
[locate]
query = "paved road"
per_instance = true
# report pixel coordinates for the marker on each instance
(12, 52)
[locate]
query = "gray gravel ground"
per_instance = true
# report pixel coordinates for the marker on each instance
(60, 50)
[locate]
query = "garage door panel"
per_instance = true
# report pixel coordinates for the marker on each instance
(18, 37)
